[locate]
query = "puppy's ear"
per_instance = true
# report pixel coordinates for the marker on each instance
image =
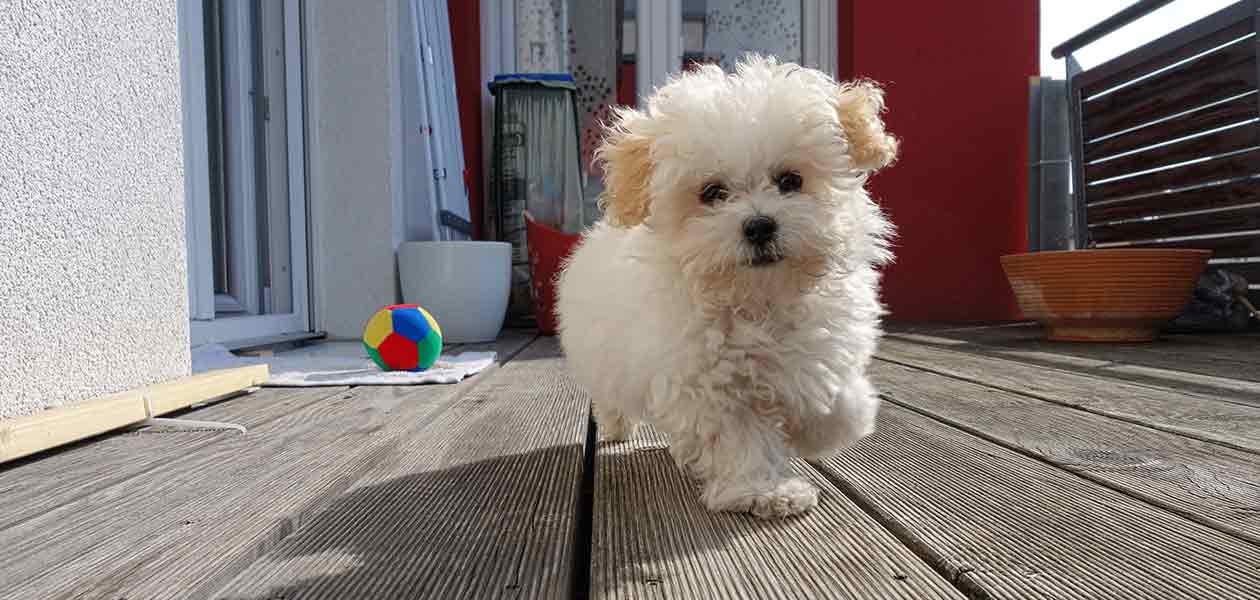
(859, 105)
(626, 162)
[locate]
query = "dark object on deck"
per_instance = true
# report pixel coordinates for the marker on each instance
(1166, 139)
(1220, 305)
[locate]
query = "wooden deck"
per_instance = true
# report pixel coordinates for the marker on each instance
(1004, 467)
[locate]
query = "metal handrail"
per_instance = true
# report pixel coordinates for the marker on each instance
(1132, 13)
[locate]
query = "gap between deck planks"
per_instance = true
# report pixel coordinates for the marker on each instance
(1208, 483)
(181, 524)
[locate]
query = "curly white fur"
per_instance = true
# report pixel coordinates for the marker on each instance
(664, 314)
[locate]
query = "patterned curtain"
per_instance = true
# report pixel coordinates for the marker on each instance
(579, 37)
(733, 28)
(594, 58)
(540, 36)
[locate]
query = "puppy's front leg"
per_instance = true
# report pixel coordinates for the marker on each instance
(614, 424)
(745, 464)
(851, 418)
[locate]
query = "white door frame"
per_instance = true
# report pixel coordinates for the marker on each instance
(820, 38)
(658, 45)
(238, 108)
(205, 328)
(192, 75)
(440, 67)
(421, 193)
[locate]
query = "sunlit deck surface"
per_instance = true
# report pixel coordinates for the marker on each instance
(1003, 467)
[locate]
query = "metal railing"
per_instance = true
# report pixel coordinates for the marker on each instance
(1108, 25)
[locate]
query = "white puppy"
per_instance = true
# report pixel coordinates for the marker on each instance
(729, 296)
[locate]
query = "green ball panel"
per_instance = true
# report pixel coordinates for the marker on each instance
(376, 357)
(430, 349)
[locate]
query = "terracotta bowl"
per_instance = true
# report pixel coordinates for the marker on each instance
(1109, 295)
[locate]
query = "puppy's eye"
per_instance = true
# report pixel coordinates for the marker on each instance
(713, 192)
(789, 182)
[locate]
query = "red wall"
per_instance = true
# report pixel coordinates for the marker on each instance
(957, 90)
(465, 18)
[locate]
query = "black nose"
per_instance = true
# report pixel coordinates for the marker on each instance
(760, 230)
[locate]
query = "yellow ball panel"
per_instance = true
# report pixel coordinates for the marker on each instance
(378, 328)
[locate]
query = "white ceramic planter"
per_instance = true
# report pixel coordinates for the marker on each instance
(464, 285)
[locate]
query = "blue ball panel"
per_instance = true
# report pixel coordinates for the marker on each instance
(411, 324)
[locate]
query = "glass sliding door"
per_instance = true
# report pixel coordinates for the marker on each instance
(246, 168)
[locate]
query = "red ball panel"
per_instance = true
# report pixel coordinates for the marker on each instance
(399, 353)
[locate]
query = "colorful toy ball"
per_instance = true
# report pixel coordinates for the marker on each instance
(403, 337)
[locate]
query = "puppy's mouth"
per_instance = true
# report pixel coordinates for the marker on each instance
(765, 258)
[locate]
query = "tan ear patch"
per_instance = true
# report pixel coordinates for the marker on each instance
(627, 165)
(859, 105)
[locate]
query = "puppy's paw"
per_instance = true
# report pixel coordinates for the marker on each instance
(617, 428)
(790, 497)
(777, 500)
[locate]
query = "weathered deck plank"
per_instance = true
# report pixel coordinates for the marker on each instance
(38, 484)
(1211, 484)
(480, 503)
(1224, 380)
(209, 512)
(1013, 480)
(181, 512)
(32, 487)
(1200, 417)
(653, 539)
(1173, 352)
(1007, 526)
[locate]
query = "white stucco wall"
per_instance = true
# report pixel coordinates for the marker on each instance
(351, 61)
(92, 275)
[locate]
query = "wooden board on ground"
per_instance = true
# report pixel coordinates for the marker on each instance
(1208, 483)
(653, 539)
(1200, 417)
(1007, 526)
(56, 427)
(480, 503)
